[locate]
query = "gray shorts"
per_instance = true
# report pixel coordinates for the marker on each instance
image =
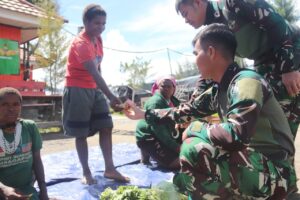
(85, 112)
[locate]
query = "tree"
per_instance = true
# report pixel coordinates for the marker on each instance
(50, 53)
(50, 56)
(138, 71)
(36, 1)
(186, 69)
(286, 8)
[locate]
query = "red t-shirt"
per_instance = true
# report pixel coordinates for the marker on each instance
(81, 50)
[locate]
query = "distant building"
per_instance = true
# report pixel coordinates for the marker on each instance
(184, 90)
(185, 87)
(126, 92)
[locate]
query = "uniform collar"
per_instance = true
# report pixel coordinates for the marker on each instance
(231, 71)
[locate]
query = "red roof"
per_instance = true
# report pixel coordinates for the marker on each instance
(21, 6)
(23, 15)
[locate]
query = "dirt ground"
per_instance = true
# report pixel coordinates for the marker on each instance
(124, 133)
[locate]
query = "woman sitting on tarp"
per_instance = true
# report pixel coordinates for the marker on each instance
(20, 144)
(160, 142)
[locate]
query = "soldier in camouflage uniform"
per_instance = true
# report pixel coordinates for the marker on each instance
(263, 36)
(247, 154)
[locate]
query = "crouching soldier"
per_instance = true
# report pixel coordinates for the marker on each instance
(247, 154)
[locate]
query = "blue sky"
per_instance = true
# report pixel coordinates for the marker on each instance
(136, 25)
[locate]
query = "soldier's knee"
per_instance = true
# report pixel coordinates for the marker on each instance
(195, 151)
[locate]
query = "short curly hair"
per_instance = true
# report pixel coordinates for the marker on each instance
(91, 11)
(9, 90)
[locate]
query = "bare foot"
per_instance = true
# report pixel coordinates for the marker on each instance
(88, 180)
(115, 175)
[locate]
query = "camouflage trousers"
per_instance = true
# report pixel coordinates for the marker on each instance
(208, 172)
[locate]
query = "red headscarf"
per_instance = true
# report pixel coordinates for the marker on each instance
(155, 85)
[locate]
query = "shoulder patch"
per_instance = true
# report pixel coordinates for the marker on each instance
(249, 88)
(196, 126)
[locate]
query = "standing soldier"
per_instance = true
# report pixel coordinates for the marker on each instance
(262, 35)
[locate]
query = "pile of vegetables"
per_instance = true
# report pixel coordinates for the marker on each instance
(163, 191)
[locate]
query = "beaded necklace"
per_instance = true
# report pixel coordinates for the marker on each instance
(11, 147)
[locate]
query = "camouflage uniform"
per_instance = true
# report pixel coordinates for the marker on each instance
(265, 37)
(247, 154)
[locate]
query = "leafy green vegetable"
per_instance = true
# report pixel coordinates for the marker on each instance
(163, 191)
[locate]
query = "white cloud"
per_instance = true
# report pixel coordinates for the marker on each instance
(160, 27)
(112, 59)
(161, 17)
(160, 64)
(115, 39)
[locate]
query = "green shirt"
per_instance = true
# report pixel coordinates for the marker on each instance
(17, 169)
(163, 132)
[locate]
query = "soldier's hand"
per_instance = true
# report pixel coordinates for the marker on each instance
(132, 111)
(291, 81)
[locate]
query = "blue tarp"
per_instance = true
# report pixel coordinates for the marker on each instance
(63, 172)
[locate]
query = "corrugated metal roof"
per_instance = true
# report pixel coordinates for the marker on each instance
(21, 6)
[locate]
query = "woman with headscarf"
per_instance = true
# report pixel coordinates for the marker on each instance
(20, 145)
(161, 142)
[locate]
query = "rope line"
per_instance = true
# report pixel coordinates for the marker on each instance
(136, 52)
(126, 51)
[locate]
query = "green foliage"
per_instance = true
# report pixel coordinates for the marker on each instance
(129, 193)
(51, 22)
(52, 45)
(163, 191)
(186, 69)
(137, 71)
(37, 2)
(286, 8)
